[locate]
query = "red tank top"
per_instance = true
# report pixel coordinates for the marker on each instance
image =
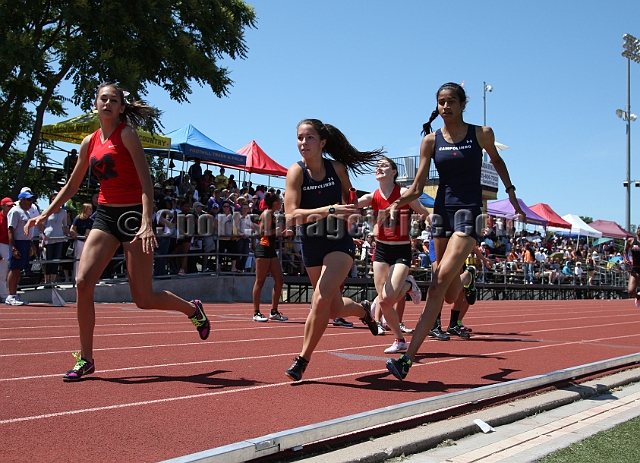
(111, 163)
(387, 231)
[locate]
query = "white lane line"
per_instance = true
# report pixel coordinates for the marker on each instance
(422, 362)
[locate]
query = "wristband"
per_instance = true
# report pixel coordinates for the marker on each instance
(511, 187)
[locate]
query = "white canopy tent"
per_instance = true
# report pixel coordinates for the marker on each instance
(578, 227)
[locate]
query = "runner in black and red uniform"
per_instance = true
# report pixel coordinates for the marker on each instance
(632, 247)
(123, 217)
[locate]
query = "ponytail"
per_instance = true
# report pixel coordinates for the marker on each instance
(458, 90)
(338, 147)
(426, 127)
(137, 113)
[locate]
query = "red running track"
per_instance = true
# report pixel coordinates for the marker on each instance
(159, 392)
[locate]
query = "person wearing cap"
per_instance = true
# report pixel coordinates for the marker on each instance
(5, 249)
(20, 244)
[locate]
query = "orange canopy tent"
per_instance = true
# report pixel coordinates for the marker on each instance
(545, 211)
(259, 162)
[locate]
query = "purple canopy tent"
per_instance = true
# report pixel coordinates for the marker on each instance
(505, 209)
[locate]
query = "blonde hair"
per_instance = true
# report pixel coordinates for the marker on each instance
(83, 211)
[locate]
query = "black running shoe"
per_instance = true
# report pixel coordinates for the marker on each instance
(82, 367)
(456, 330)
(470, 292)
(200, 320)
(367, 319)
(464, 328)
(295, 371)
(438, 334)
(399, 368)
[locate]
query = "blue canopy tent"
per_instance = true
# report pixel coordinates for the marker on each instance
(193, 144)
(426, 200)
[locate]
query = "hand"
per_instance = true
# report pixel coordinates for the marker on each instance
(33, 222)
(148, 238)
(384, 214)
(15, 253)
(345, 209)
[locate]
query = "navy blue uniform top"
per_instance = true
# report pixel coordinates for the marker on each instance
(459, 167)
(321, 193)
(635, 253)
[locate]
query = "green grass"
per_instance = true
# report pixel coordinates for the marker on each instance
(616, 445)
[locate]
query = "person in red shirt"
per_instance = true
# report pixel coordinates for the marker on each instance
(5, 249)
(123, 216)
(392, 258)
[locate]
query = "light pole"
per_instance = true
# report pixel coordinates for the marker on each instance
(485, 88)
(631, 51)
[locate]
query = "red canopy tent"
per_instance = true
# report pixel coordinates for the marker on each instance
(610, 229)
(545, 211)
(259, 162)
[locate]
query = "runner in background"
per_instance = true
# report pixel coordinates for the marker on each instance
(392, 258)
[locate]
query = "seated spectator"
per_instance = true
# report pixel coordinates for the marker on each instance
(578, 272)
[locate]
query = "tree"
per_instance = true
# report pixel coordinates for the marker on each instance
(586, 218)
(169, 43)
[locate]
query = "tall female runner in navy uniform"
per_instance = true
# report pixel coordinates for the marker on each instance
(457, 153)
(125, 208)
(316, 189)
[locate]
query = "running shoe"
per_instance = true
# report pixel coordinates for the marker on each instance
(458, 332)
(414, 291)
(83, 367)
(464, 328)
(637, 302)
(342, 322)
(367, 319)
(259, 318)
(399, 345)
(470, 292)
(404, 329)
(295, 371)
(437, 333)
(400, 367)
(15, 300)
(200, 320)
(278, 317)
(380, 329)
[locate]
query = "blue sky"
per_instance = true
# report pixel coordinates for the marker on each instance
(372, 68)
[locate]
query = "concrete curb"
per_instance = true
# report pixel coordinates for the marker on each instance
(429, 435)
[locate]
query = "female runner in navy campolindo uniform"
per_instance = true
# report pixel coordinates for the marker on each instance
(457, 153)
(316, 196)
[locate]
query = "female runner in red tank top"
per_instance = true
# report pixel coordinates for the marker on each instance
(124, 216)
(392, 258)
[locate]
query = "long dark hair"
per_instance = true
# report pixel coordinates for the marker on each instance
(339, 148)
(458, 90)
(137, 113)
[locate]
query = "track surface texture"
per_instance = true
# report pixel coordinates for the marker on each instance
(159, 392)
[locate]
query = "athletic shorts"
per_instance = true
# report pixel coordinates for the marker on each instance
(448, 220)
(24, 248)
(121, 222)
(315, 249)
(264, 252)
(393, 253)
